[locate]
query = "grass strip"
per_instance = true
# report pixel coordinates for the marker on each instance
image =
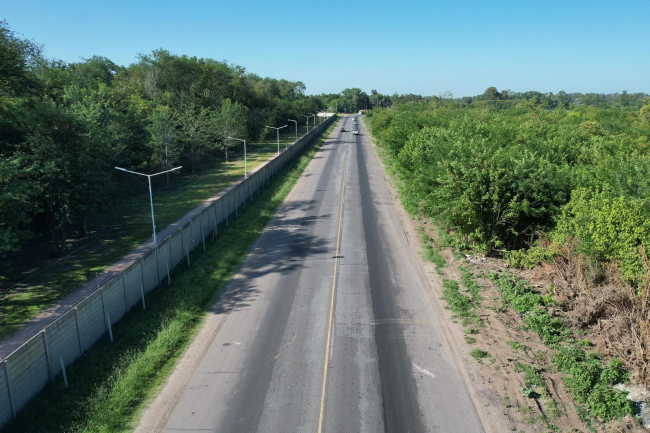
(112, 381)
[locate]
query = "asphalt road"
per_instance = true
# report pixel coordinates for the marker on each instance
(329, 327)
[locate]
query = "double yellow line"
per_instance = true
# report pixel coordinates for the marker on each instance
(331, 315)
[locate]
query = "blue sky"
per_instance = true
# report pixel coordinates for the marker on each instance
(425, 47)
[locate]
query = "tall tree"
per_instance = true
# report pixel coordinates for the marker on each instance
(233, 123)
(163, 141)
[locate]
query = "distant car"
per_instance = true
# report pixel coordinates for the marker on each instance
(342, 129)
(355, 122)
(355, 132)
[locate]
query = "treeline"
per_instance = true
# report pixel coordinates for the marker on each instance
(65, 126)
(502, 180)
(352, 100)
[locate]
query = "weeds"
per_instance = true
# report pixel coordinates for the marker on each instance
(459, 304)
(479, 354)
(430, 253)
(470, 285)
(589, 382)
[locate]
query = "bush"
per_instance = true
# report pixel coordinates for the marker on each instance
(608, 227)
(609, 403)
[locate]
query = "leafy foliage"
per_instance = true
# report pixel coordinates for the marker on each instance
(499, 177)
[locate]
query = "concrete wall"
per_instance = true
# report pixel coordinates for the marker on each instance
(27, 369)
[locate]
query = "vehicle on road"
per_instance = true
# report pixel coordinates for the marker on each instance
(355, 132)
(342, 129)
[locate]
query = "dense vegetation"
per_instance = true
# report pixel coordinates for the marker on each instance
(64, 126)
(504, 178)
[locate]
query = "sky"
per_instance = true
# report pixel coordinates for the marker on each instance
(422, 47)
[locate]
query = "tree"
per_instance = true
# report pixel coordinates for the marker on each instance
(233, 123)
(491, 93)
(195, 126)
(17, 58)
(162, 127)
(17, 190)
(645, 110)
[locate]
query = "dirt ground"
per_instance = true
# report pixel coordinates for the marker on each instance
(510, 345)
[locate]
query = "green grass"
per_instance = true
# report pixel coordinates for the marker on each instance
(461, 305)
(470, 285)
(110, 383)
(430, 253)
(117, 233)
(479, 354)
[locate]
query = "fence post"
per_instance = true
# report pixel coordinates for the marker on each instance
(171, 257)
(192, 233)
(47, 355)
(182, 241)
(10, 389)
(103, 306)
(142, 269)
(187, 252)
(126, 301)
(144, 307)
(157, 266)
(65, 376)
(169, 280)
(203, 236)
(81, 345)
(108, 324)
(216, 227)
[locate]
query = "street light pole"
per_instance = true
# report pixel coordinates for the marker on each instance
(245, 170)
(296, 122)
(307, 122)
(149, 176)
(278, 131)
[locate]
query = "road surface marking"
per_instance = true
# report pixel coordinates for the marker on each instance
(336, 266)
(424, 371)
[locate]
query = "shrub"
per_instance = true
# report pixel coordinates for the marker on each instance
(609, 403)
(607, 227)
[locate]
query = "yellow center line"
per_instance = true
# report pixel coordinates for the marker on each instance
(329, 326)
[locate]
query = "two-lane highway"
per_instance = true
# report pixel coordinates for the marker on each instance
(328, 326)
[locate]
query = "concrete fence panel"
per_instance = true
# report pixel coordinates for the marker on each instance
(195, 237)
(164, 259)
(133, 280)
(176, 242)
(114, 299)
(90, 313)
(5, 404)
(150, 270)
(63, 340)
(28, 370)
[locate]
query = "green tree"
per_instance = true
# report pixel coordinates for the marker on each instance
(233, 124)
(164, 137)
